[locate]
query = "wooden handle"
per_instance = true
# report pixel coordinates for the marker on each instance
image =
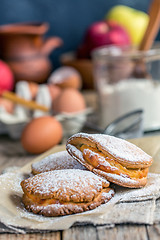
(153, 26)
(29, 104)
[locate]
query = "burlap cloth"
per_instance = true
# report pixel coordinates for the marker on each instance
(141, 206)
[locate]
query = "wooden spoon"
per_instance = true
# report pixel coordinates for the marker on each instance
(140, 70)
(18, 100)
(153, 26)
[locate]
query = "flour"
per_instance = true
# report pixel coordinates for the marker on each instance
(129, 95)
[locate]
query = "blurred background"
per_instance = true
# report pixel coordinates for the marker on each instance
(68, 19)
(50, 97)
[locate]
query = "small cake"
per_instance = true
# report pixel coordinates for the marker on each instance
(115, 159)
(56, 161)
(64, 192)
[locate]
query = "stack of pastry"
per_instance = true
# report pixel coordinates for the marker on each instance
(78, 180)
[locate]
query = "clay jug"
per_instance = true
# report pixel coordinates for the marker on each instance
(23, 47)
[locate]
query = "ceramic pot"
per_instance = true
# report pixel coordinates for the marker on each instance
(23, 47)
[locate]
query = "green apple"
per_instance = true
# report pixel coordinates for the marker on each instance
(134, 21)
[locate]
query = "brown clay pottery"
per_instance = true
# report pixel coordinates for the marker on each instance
(23, 47)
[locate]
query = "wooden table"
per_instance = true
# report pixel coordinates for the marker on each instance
(12, 154)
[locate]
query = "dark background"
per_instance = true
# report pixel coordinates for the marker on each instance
(68, 19)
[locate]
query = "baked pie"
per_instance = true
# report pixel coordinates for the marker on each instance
(64, 192)
(115, 159)
(56, 161)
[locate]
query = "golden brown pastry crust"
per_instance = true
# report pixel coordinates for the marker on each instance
(115, 159)
(62, 192)
(56, 161)
(60, 209)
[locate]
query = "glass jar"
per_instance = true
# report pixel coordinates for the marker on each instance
(126, 80)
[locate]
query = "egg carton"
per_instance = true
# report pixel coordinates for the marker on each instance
(73, 123)
(13, 124)
(13, 130)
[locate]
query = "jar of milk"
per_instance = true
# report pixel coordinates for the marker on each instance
(126, 80)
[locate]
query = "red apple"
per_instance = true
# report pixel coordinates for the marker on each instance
(6, 77)
(103, 33)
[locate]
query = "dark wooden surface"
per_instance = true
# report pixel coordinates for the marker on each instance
(12, 154)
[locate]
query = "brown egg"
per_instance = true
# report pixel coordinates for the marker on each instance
(41, 134)
(33, 87)
(54, 91)
(70, 100)
(66, 77)
(7, 104)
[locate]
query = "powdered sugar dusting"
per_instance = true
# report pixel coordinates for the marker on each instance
(119, 148)
(107, 195)
(57, 161)
(14, 185)
(121, 179)
(72, 148)
(66, 185)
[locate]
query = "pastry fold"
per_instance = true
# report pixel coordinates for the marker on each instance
(63, 192)
(56, 161)
(115, 159)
